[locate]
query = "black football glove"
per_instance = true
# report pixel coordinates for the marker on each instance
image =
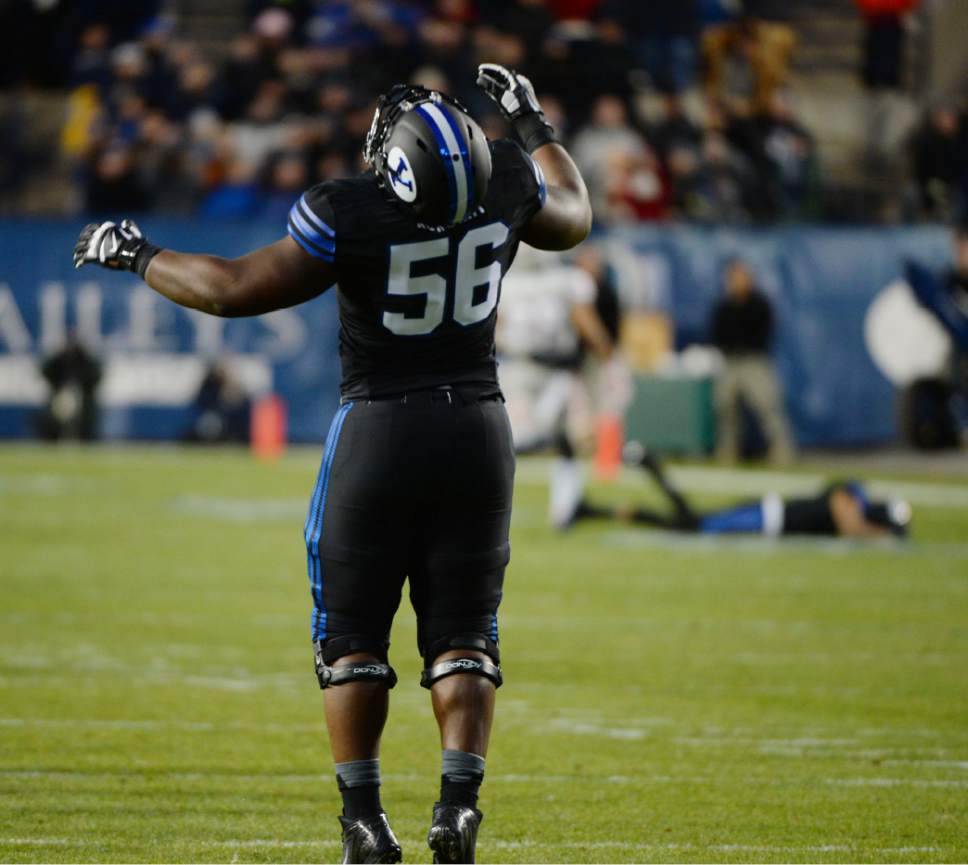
(514, 95)
(120, 247)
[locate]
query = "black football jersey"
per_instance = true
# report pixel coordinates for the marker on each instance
(813, 516)
(417, 303)
(809, 516)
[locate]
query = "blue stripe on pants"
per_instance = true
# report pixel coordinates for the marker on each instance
(313, 528)
(742, 519)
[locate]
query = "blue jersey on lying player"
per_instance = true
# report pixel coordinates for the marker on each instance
(842, 509)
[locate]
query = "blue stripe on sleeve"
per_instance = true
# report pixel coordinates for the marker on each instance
(307, 213)
(305, 244)
(310, 233)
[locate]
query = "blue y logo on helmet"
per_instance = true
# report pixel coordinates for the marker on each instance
(400, 175)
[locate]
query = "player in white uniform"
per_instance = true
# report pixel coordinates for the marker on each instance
(547, 316)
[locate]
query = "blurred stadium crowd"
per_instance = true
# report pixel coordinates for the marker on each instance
(674, 109)
(677, 111)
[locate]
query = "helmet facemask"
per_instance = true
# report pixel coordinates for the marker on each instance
(396, 101)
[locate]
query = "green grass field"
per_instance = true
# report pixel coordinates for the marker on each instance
(667, 699)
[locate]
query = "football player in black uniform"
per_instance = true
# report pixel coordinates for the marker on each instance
(418, 465)
(841, 509)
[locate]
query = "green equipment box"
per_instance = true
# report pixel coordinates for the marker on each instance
(672, 415)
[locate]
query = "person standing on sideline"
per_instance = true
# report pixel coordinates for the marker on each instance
(742, 329)
(416, 477)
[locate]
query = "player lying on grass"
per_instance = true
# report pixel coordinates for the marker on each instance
(842, 509)
(418, 467)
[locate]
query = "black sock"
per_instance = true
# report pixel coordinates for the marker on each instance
(359, 785)
(361, 803)
(460, 778)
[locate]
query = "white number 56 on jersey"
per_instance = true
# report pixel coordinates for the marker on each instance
(467, 277)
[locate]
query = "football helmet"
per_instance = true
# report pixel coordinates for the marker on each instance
(430, 153)
(894, 515)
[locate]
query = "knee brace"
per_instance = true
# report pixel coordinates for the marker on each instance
(489, 668)
(452, 666)
(357, 671)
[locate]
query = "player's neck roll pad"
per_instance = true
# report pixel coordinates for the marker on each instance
(453, 666)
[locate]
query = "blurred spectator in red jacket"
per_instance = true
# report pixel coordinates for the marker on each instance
(636, 187)
(573, 10)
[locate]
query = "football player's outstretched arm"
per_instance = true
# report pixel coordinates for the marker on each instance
(566, 217)
(273, 277)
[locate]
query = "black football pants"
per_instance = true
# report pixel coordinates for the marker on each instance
(420, 488)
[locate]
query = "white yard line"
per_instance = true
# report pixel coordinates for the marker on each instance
(601, 730)
(897, 782)
(46, 484)
(518, 844)
(733, 741)
(300, 778)
(526, 843)
(513, 778)
(36, 842)
(944, 764)
(240, 510)
(293, 683)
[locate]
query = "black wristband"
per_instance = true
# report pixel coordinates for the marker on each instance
(533, 130)
(143, 256)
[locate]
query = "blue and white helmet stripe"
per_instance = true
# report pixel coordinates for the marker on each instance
(447, 142)
(465, 158)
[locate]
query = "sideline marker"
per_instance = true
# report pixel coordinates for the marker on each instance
(268, 427)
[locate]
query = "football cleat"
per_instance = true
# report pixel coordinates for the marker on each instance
(453, 833)
(370, 840)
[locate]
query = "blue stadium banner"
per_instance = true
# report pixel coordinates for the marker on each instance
(154, 353)
(822, 282)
